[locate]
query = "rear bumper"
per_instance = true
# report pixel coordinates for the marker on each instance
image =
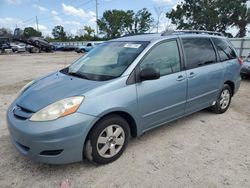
(55, 142)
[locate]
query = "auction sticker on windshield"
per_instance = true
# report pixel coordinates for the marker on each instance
(132, 45)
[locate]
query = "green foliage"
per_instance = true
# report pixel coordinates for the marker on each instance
(61, 36)
(89, 31)
(59, 33)
(31, 32)
(115, 23)
(212, 15)
(4, 32)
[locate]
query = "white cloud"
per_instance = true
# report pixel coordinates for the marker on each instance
(164, 1)
(57, 18)
(74, 23)
(42, 27)
(248, 4)
(70, 10)
(9, 22)
(54, 12)
(15, 2)
(41, 8)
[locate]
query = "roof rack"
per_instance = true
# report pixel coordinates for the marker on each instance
(178, 32)
(135, 34)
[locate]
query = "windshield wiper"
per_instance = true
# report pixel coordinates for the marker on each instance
(77, 74)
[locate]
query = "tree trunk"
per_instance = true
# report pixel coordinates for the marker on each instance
(242, 27)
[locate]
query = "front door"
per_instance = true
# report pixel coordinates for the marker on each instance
(163, 99)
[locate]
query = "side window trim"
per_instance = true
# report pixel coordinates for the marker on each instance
(215, 50)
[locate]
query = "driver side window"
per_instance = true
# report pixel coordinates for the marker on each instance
(164, 57)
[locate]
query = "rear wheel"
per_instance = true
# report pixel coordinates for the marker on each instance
(224, 100)
(108, 139)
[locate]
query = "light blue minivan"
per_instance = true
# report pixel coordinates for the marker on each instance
(122, 88)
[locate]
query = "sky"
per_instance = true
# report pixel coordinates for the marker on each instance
(73, 15)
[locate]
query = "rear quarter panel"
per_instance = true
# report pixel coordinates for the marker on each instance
(232, 72)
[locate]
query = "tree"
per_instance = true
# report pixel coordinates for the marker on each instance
(112, 23)
(88, 30)
(4, 32)
(240, 17)
(31, 32)
(115, 23)
(142, 21)
(59, 33)
(212, 15)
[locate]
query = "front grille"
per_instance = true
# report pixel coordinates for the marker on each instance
(22, 113)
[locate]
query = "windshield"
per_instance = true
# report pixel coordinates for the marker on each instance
(108, 60)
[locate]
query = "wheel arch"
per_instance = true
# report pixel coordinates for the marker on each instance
(128, 117)
(231, 85)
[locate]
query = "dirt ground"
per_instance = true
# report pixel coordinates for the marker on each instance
(201, 150)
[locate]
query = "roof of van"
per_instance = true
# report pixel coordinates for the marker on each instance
(158, 36)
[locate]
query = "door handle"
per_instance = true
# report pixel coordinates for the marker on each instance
(191, 75)
(180, 78)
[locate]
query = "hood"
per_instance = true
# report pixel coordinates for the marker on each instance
(53, 88)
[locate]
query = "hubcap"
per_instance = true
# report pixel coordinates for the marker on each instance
(224, 99)
(110, 141)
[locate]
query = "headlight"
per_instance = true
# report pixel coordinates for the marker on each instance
(58, 109)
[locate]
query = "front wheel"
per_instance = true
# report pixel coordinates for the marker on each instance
(108, 139)
(224, 100)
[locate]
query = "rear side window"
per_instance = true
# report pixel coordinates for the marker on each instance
(198, 51)
(224, 49)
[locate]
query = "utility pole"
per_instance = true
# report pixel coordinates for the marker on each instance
(96, 10)
(37, 28)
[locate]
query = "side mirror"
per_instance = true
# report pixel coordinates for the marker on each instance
(149, 74)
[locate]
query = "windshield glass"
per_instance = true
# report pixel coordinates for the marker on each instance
(108, 60)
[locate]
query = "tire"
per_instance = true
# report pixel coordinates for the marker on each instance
(37, 43)
(107, 140)
(224, 100)
(83, 51)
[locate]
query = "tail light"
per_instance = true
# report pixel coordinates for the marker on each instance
(240, 61)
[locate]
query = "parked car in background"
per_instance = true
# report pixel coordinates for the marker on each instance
(34, 44)
(4, 44)
(58, 47)
(245, 70)
(19, 48)
(69, 48)
(87, 47)
(126, 86)
(41, 43)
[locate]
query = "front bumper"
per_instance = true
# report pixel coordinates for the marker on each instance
(54, 142)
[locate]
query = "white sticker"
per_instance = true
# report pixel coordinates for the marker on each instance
(132, 45)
